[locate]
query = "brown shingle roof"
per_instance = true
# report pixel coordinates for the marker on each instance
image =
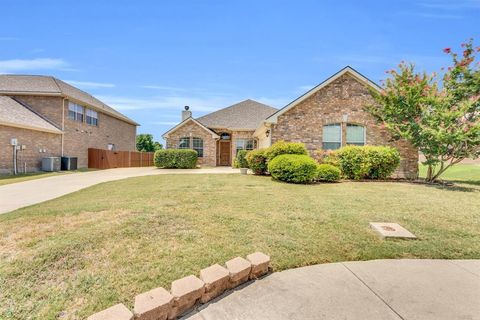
(33, 84)
(14, 114)
(245, 115)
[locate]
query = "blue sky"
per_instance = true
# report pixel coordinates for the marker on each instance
(150, 58)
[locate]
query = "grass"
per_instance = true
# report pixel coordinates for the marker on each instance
(8, 179)
(462, 173)
(78, 254)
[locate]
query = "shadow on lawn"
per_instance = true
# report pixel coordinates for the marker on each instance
(454, 185)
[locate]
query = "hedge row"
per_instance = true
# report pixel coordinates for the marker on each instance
(289, 162)
(176, 158)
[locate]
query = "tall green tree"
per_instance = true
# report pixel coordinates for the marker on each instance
(145, 143)
(439, 116)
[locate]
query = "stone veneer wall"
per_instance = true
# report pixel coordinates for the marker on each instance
(346, 95)
(78, 136)
(35, 142)
(191, 129)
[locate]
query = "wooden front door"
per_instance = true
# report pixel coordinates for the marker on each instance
(224, 153)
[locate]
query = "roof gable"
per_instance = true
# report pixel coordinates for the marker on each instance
(15, 84)
(188, 120)
(14, 114)
(347, 70)
(245, 115)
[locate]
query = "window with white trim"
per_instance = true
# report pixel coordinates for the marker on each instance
(92, 117)
(75, 111)
(332, 136)
(198, 145)
(355, 134)
(184, 143)
(244, 144)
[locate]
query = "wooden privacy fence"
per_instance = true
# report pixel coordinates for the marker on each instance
(106, 159)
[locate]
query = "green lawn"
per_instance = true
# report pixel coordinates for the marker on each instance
(103, 245)
(8, 179)
(466, 173)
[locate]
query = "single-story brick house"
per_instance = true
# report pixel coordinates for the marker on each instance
(327, 117)
(49, 117)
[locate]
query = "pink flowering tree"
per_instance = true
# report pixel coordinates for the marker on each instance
(439, 116)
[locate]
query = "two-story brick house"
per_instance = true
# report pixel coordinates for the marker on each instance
(52, 118)
(327, 117)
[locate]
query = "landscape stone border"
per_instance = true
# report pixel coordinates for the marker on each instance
(187, 292)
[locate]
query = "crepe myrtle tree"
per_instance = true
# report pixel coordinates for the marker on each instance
(438, 115)
(145, 143)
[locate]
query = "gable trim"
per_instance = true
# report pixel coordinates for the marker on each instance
(184, 122)
(357, 75)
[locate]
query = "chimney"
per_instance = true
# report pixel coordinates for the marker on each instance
(186, 114)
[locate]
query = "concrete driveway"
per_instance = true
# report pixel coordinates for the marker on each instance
(377, 289)
(18, 195)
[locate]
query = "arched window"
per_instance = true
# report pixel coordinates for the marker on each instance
(355, 134)
(198, 146)
(225, 136)
(184, 143)
(332, 136)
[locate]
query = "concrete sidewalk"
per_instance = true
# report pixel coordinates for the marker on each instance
(378, 289)
(18, 195)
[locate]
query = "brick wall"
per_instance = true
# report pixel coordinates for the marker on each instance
(34, 142)
(239, 135)
(49, 107)
(194, 130)
(304, 123)
(78, 136)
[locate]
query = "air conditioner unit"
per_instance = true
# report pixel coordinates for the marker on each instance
(69, 163)
(51, 164)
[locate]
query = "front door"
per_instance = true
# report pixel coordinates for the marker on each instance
(224, 154)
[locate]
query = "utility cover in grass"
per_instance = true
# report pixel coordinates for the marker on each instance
(388, 230)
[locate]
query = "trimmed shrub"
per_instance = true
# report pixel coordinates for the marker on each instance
(368, 162)
(241, 162)
(176, 158)
(282, 147)
(327, 157)
(328, 173)
(294, 168)
(257, 161)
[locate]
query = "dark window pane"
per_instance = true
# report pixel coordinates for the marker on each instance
(331, 145)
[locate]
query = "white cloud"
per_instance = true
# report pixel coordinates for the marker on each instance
(450, 5)
(166, 103)
(176, 103)
(90, 85)
(164, 123)
(16, 65)
(8, 38)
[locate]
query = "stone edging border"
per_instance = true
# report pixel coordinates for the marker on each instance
(187, 292)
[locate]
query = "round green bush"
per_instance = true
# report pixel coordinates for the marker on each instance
(368, 162)
(282, 147)
(257, 161)
(176, 158)
(328, 173)
(294, 168)
(241, 162)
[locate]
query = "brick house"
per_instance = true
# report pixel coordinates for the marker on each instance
(52, 118)
(327, 117)
(218, 135)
